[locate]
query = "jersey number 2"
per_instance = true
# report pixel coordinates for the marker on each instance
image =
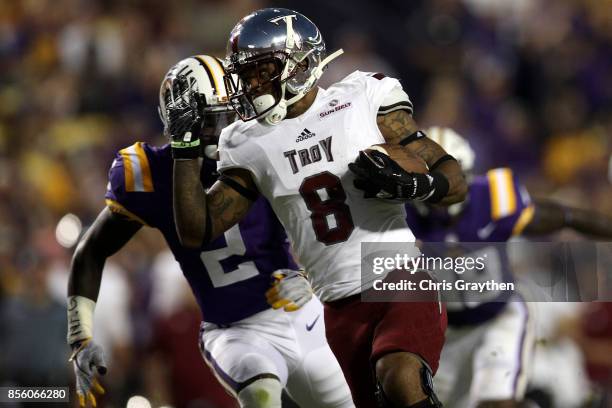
(330, 215)
(224, 265)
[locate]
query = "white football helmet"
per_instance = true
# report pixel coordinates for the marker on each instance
(455, 145)
(207, 75)
(458, 147)
(291, 45)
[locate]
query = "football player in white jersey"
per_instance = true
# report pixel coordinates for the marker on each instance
(294, 147)
(254, 350)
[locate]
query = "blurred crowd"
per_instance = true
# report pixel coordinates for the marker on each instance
(528, 82)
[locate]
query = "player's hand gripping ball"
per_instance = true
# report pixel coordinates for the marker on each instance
(405, 158)
(391, 172)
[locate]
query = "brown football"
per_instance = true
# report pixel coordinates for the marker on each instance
(404, 157)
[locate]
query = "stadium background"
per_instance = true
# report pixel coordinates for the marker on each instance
(529, 82)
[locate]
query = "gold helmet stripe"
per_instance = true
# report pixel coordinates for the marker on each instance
(214, 71)
(209, 72)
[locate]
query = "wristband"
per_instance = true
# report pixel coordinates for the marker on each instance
(411, 138)
(440, 186)
(186, 150)
(441, 160)
(179, 144)
(80, 318)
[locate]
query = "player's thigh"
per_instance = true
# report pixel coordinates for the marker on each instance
(350, 326)
(316, 379)
(240, 357)
(308, 327)
(502, 362)
(319, 382)
(413, 327)
(407, 339)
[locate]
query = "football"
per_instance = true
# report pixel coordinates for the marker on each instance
(402, 156)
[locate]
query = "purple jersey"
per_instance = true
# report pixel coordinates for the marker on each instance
(497, 208)
(229, 277)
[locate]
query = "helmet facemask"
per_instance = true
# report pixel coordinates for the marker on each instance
(264, 85)
(213, 122)
(288, 42)
(259, 85)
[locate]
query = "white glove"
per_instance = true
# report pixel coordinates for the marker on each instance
(290, 290)
(88, 360)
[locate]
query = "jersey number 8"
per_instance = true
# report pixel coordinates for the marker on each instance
(325, 199)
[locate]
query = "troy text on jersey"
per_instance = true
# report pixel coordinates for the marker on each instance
(310, 154)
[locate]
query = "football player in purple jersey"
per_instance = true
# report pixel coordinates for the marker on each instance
(490, 337)
(262, 329)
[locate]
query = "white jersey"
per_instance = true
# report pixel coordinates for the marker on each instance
(301, 167)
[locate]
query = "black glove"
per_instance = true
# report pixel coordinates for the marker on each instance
(184, 121)
(380, 176)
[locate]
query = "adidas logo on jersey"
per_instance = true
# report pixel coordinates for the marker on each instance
(306, 134)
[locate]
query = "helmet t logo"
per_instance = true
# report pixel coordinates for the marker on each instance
(275, 20)
(291, 40)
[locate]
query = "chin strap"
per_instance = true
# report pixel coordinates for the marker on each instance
(278, 113)
(314, 77)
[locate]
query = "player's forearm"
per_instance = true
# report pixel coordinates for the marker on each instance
(457, 186)
(83, 287)
(105, 237)
(85, 272)
(398, 126)
(435, 156)
(550, 217)
(189, 199)
(589, 222)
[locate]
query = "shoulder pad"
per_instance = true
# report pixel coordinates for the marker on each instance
(137, 171)
(507, 195)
